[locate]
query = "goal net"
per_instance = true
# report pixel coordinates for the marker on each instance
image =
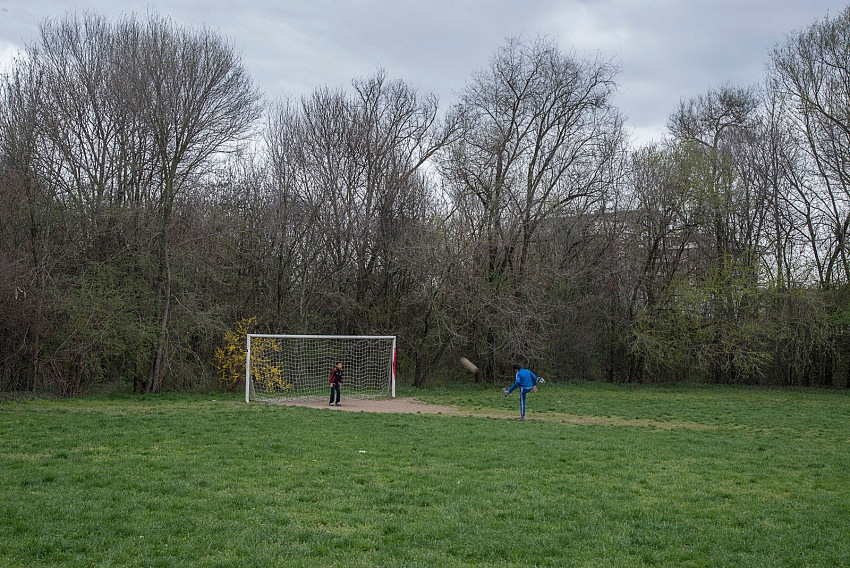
(289, 367)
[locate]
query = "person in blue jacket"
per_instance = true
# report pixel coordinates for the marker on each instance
(526, 381)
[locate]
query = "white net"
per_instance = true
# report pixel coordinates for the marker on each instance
(288, 367)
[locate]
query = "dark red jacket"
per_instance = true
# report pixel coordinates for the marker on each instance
(336, 375)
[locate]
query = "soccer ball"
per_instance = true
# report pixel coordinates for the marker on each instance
(541, 380)
(470, 366)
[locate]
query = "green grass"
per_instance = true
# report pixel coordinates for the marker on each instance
(600, 476)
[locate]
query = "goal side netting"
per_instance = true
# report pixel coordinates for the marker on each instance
(290, 367)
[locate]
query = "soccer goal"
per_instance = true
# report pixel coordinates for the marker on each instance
(289, 367)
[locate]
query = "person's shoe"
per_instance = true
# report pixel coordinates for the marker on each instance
(505, 391)
(338, 404)
(330, 404)
(521, 418)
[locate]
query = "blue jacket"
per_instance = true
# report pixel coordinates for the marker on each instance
(525, 378)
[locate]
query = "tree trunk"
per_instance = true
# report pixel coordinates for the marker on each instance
(155, 380)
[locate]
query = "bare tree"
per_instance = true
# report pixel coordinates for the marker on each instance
(810, 73)
(540, 144)
(124, 117)
(27, 222)
(347, 169)
(194, 97)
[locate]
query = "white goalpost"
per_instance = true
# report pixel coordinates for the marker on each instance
(289, 367)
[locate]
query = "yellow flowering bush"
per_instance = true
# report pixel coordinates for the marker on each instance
(230, 359)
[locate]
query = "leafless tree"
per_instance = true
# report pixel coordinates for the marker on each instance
(810, 73)
(125, 116)
(194, 98)
(541, 136)
(347, 167)
(26, 224)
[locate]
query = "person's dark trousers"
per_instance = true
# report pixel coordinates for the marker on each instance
(334, 389)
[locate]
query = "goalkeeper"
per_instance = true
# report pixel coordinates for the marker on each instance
(526, 381)
(336, 383)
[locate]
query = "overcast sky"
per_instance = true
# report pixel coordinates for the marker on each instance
(669, 50)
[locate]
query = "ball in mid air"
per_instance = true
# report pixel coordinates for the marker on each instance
(470, 366)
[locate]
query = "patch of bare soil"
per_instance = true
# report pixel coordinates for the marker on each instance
(399, 405)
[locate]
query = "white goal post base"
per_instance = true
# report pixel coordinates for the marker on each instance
(292, 367)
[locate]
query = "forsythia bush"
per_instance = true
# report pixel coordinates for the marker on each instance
(230, 359)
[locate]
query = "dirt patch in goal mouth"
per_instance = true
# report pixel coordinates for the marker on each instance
(400, 405)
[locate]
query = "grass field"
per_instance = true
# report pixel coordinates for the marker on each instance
(599, 476)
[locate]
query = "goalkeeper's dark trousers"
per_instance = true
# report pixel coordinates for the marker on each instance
(334, 389)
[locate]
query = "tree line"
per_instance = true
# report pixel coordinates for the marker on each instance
(153, 201)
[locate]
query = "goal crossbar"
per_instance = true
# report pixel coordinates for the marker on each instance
(289, 367)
